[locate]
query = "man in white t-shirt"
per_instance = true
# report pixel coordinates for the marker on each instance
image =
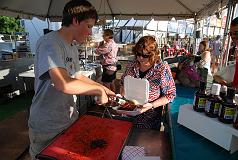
(227, 75)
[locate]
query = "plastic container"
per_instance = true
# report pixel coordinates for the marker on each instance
(137, 89)
(213, 101)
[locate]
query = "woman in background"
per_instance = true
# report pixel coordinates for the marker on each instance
(148, 65)
(205, 62)
(107, 49)
(205, 54)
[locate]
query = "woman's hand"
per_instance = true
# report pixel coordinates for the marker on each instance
(146, 107)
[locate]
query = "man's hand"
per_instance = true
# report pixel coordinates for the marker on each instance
(103, 99)
(109, 92)
(219, 80)
(223, 82)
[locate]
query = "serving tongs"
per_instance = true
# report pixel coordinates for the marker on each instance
(122, 100)
(107, 106)
(118, 100)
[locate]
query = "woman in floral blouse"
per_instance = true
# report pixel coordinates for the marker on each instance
(162, 90)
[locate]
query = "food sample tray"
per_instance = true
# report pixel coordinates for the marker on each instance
(76, 142)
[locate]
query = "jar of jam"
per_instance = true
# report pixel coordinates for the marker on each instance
(228, 108)
(213, 101)
(200, 98)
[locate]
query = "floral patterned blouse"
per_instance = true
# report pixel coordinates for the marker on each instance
(161, 83)
(108, 51)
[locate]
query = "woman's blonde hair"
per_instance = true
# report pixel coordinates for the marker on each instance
(147, 45)
(206, 45)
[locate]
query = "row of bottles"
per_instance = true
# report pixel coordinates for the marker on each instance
(220, 103)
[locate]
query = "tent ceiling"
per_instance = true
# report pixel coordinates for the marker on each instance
(121, 9)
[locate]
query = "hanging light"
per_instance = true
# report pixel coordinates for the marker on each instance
(173, 19)
(102, 21)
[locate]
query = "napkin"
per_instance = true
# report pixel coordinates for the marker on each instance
(132, 152)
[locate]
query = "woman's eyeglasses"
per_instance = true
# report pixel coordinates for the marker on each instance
(142, 55)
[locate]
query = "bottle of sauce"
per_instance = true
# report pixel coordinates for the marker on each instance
(200, 98)
(235, 124)
(213, 102)
(227, 110)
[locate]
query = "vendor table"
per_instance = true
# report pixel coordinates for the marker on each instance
(26, 74)
(116, 132)
(186, 144)
(30, 74)
(155, 142)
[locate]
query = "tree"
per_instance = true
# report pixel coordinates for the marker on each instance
(9, 25)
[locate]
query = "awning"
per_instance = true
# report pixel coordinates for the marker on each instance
(120, 9)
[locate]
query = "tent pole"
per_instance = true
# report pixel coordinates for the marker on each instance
(130, 31)
(122, 27)
(194, 34)
(144, 27)
(113, 21)
(48, 23)
(226, 39)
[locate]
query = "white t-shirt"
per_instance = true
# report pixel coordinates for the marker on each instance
(52, 110)
(227, 73)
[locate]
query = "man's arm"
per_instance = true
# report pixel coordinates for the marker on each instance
(64, 83)
(88, 80)
(219, 80)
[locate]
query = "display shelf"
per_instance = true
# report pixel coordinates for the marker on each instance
(22, 43)
(15, 46)
(224, 135)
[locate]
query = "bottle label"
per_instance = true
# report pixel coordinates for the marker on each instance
(201, 102)
(207, 107)
(229, 113)
(216, 108)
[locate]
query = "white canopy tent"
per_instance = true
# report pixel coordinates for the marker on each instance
(120, 9)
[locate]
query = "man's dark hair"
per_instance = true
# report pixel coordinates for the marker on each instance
(234, 22)
(79, 9)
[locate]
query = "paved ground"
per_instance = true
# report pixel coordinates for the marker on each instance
(14, 136)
